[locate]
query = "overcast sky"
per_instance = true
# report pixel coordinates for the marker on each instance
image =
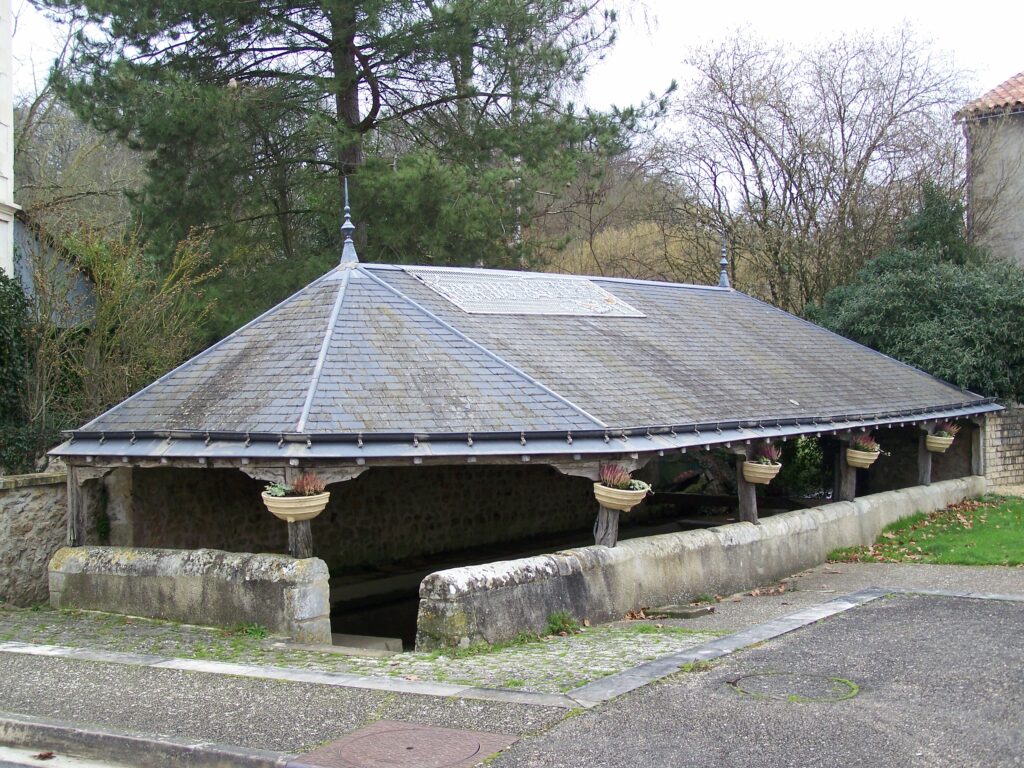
(655, 36)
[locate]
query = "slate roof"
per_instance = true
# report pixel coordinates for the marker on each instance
(1005, 97)
(370, 360)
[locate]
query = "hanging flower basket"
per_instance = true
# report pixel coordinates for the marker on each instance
(296, 508)
(761, 474)
(945, 432)
(863, 451)
(618, 498)
(860, 459)
(763, 465)
(937, 444)
(618, 490)
(304, 499)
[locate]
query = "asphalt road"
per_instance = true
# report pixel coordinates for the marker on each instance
(936, 681)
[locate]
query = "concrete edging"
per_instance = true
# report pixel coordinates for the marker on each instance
(494, 602)
(95, 743)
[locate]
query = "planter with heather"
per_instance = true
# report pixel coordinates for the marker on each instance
(616, 489)
(862, 451)
(942, 437)
(763, 465)
(302, 500)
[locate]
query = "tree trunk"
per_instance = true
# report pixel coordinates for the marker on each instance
(348, 138)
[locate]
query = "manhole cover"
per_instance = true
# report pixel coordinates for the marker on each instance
(786, 686)
(388, 744)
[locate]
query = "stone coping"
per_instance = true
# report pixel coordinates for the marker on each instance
(9, 482)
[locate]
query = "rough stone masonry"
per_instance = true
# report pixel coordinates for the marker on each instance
(32, 528)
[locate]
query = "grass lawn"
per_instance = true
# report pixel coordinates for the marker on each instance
(989, 531)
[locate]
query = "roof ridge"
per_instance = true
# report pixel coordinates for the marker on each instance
(465, 337)
(521, 272)
(318, 369)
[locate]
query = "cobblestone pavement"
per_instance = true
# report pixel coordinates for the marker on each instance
(546, 665)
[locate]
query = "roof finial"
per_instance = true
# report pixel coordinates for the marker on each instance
(723, 265)
(348, 250)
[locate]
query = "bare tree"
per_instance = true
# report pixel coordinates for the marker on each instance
(807, 160)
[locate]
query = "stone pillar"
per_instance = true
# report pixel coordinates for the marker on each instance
(747, 493)
(978, 447)
(118, 485)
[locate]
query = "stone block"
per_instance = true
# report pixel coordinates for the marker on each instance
(204, 586)
(496, 601)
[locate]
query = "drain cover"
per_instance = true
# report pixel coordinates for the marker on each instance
(389, 744)
(786, 686)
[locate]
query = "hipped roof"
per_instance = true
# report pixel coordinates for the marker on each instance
(387, 361)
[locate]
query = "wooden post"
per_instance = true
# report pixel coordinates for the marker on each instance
(747, 493)
(300, 535)
(606, 529)
(847, 477)
(300, 540)
(978, 447)
(76, 510)
(924, 461)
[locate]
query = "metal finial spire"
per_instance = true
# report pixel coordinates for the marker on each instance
(723, 265)
(348, 251)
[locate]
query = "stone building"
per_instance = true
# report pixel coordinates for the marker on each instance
(449, 407)
(7, 205)
(994, 127)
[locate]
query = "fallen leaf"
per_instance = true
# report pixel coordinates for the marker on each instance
(586, 622)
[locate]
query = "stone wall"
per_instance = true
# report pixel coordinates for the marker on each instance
(1004, 449)
(32, 528)
(385, 514)
(494, 602)
(208, 587)
(899, 468)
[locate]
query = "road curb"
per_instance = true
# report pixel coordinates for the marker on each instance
(95, 743)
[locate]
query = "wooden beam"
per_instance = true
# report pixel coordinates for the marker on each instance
(747, 493)
(606, 529)
(924, 460)
(76, 510)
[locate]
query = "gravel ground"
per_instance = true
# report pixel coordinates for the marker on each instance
(548, 665)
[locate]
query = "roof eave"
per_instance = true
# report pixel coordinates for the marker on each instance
(411, 446)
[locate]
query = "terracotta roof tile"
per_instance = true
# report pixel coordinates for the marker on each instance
(1005, 96)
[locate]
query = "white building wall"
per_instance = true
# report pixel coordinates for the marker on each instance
(997, 184)
(7, 206)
